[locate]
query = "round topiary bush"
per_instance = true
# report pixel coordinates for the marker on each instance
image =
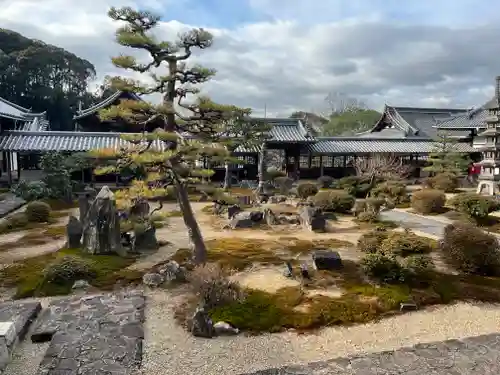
(273, 173)
(419, 266)
(474, 205)
(383, 268)
(284, 184)
(356, 186)
(469, 249)
(391, 191)
(333, 201)
(306, 190)
(428, 201)
(367, 217)
(447, 182)
(325, 182)
(404, 244)
(370, 242)
(38, 212)
(69, 269)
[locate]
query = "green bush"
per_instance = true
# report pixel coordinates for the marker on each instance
(419, 266)
(374, 205)
(13, 222)
(474, 205)
(383, 268)
(306, 190)
(428, 201)
(356, 186)
(38, 212)
(333, 201)
(367, 217)
(30, 190)
(325, 182)
(68, 269)
(284, 184)
(404, 244)
(447, 182)
(391, 191)
(370, 242)
(471, 250)
(273, 173)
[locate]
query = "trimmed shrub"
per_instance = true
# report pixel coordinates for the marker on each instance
(447, 182)
(13, 222)
(333, 201)
(428, 201)
(69, 269)
(325, 182)
(38, 212)
(284, 184)
(370, 242)
(374, 205)
(391, 191)
(367, 217)
(212, 286)
(30, 190)
(273, 173)
(306, 190)
(474, 205)
(356, 186)
(383, 268)
(419, 266)
(404, 244)
(471, 250)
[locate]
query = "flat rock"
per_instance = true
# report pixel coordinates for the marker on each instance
(97, 334)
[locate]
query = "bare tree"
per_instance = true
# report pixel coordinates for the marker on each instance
(340, 102)
(387, 166)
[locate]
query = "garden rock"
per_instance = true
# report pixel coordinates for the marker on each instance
(288, 219)
(288, 270)
(74, 232)
(80, 284)
(326, 260)
(256, 216)
(172, 272)
(242, 220)
(225, 329)
(408, 306)
(145, 240)
(275, 199)
(312, 219)
(233, 210)
(269, 217)
(101, 225)
(202, 325)
(153, 279)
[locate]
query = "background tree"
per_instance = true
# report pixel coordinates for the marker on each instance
(169, 159)
(381, 166)
(445, 158)
(241, 130)
(43, 77)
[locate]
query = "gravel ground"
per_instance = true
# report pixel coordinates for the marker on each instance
(170, 350)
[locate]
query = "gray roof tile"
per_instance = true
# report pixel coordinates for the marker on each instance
(287, 130)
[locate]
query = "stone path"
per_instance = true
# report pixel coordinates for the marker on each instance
(415, 222)
(90, 335)
(472, 356)
(15, 319)
(10, 204)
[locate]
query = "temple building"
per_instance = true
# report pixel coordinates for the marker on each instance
(408, 132)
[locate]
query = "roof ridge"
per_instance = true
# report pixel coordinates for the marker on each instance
(103, 103)
(16, 106)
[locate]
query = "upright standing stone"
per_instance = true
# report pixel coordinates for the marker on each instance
(74, 232)
(83, 205)
(101, 225)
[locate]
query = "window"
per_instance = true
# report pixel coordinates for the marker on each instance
(328, 161)
(304, 161)
(338, 161)
(315, 162)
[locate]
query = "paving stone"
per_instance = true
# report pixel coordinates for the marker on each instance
(472, 356)
(100, 334)
(15, 320)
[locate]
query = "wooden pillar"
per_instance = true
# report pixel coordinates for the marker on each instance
(285, 163)
(321, 169)
(9, 168)
(309, 161)
(18, 167)
(345, 161)
(296, 169)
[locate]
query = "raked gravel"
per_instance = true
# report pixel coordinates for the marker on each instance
(169, 350)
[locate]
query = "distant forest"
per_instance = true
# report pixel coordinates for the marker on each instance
(44, 77)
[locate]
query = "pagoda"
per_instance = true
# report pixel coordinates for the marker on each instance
(489, 178)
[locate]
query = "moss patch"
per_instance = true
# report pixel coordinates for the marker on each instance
(60, 205)
(28, 275)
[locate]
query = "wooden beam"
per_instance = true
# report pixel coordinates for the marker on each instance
(9, 168)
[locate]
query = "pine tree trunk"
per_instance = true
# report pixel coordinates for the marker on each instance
(262, 168)
(227, 177)
(194, 232)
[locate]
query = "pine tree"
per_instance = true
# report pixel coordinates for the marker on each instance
(169, 158)
(445, 158)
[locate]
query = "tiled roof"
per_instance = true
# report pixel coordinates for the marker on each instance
(287, 130)
(16, 112)
(415, 122)
(103, 104)
(62, 141)
(357, 145)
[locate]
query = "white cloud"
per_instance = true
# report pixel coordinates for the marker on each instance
(292, 63)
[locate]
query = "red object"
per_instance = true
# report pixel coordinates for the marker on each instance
(476, 169)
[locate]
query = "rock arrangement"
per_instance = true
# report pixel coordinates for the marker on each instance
(170, 272)
(312, 218)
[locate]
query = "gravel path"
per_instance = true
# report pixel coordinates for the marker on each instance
(170, 350)
(415, 222)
